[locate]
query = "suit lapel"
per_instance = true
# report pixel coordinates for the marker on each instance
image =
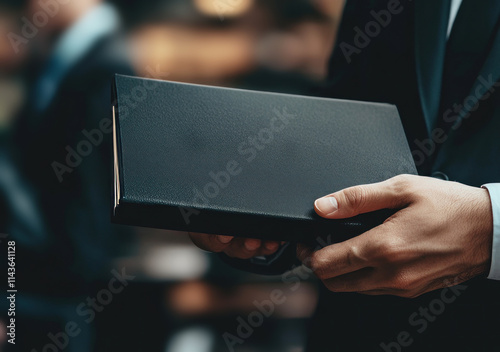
(481, 89)
(431, 22)
(487, 78)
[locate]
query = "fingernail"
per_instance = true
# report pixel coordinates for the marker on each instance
(327, 205)
(252, 245)
(224, 239)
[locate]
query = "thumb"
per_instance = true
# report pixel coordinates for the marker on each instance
(361, 199)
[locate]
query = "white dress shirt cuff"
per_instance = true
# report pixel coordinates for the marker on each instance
(494, 191)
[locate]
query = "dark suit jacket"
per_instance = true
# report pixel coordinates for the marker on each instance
(79, 239)
(401, 65)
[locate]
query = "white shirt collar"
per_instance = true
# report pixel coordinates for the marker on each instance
(455, 6)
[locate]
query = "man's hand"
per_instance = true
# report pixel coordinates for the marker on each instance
(441, 236)
(242, 248)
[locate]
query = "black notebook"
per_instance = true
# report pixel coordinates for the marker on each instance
(236, 162)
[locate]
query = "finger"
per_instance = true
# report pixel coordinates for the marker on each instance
(252, 244)
(212, 243)
(269, 247)
(224, 239)
(304, 254)
(346, 257)
(331, 261)
(364, 198)
(238, 249)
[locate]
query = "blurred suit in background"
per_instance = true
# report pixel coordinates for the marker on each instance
(63, 150)
(59, 214)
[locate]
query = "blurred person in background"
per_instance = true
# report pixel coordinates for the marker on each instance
(12, 62)
(60, 148)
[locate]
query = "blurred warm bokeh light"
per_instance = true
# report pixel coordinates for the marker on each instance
(191, 55)
(223, 8)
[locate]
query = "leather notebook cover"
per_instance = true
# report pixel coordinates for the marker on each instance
(245, 163)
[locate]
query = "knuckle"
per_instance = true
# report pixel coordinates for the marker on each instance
(403, 179)
(389, 250)
(403, 186)
(355, 197)
(354, 256)
(401, 183)
(319, 265)
(384, 251)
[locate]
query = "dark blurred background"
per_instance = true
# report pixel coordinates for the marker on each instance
(55, 74)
